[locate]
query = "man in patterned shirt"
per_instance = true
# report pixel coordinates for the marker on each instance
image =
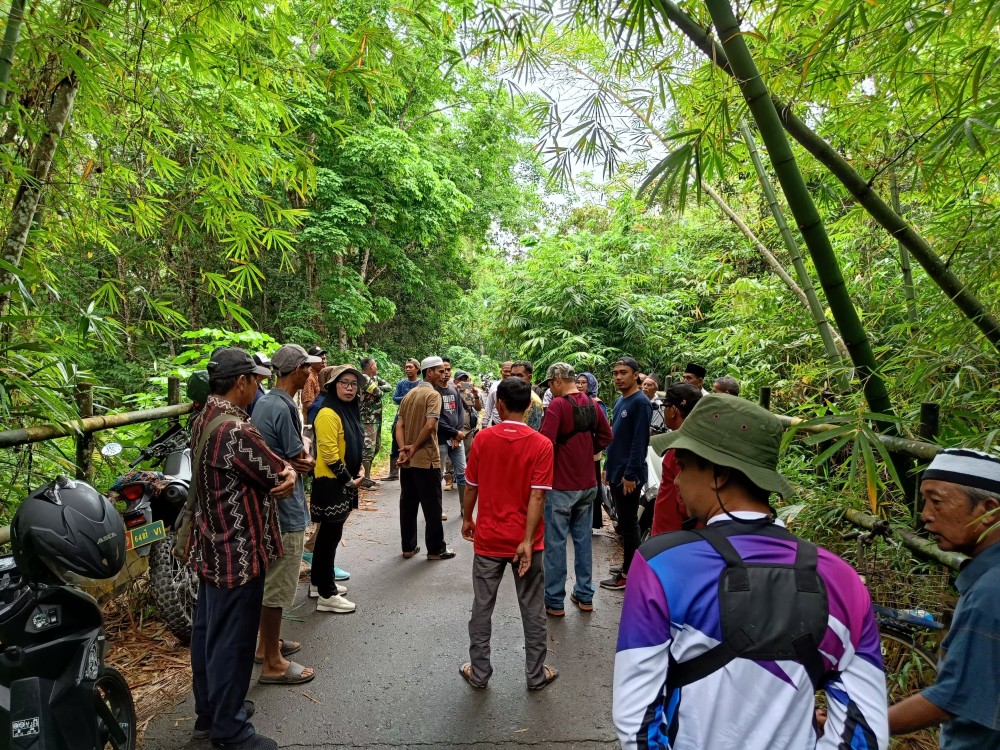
(374, 390)
(235, 537)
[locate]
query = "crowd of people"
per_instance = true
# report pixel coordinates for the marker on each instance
(729, 622)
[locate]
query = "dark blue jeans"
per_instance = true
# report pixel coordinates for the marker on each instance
(568, 513)
(223, 641)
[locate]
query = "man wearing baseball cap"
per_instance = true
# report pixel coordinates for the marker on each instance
(728, 631)
(420, 463)
(239, 482)
(280, 422)
(578, 429)
(961, 491)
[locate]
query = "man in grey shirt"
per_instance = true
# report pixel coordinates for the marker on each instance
(278, 419)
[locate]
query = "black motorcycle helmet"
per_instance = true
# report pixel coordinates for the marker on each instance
(67, 527)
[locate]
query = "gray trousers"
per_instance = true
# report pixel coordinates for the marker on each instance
(487, 572)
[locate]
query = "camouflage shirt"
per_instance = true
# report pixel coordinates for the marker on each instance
(373, 390)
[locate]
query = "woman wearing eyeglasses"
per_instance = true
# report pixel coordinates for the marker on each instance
(338, 473)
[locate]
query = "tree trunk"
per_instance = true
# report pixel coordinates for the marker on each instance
(801, 204)
(904, 260)
(857, 186)
(30, 191)
(834, 345)
(13, 30)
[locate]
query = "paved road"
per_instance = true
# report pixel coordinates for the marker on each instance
(387, 675)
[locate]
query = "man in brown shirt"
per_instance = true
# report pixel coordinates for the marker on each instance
(420, 463)
(310, 391)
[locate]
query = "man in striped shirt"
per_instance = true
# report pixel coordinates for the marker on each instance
(235, 537)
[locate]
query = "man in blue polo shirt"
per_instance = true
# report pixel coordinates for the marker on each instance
(961, 491)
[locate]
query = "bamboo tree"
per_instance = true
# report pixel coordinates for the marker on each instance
(29, 193)
(935, 266)
(800, 202)
(832, 343)
(904, 259)
(12, 31)
(837, 354)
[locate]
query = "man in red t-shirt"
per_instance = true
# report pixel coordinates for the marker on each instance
(578, 429)
(508, 472)
(668, 510)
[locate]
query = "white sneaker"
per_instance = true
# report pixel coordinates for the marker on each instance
(335, 603)
(314, 593)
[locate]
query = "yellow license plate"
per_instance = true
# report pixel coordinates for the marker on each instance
(143, 535)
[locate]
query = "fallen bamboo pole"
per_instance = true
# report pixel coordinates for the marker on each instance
(911, 540)
(25, 435)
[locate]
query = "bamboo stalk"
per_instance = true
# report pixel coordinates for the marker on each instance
(832, 342)
(834, 345)
(25, 435)
(801, 205)
(11, 33)
(912, 541)
(856, 185)
(904, 259)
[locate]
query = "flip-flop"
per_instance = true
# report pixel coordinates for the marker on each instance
(550, 676)
(287, 649)
(292, 676)
(466, 671)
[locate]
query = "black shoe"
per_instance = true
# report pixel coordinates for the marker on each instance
(447, 554)
(203, 726)
(389, 478)
(253, 742)
(615, 570)
(615, 583)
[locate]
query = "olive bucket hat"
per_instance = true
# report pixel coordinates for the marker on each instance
(733, 432)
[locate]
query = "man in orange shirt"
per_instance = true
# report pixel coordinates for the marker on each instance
(509, 470)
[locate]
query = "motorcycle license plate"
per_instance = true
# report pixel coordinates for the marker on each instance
(143, 535)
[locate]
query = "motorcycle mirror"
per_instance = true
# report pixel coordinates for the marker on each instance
(111, 449)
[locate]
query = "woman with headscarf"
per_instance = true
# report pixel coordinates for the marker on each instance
(339, 444)
(588, 384)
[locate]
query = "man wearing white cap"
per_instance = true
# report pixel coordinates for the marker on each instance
(961, 491)
(420, 463)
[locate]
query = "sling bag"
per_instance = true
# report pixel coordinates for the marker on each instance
(768, 611)
(584, 419)
(185, 519)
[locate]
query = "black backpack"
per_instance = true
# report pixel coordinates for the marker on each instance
(768, 611)
(584, 418)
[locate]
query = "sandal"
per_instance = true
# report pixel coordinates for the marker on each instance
(550, 676)
(466, 671)
(294, 675)
(287, 649)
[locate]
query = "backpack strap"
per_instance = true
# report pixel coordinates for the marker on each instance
(684, 673)
(806, 649)
(563, 439)
(184, 524)
(211, 427)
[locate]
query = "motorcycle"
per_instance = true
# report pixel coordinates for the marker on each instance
(647, 497)
(153, 501)
(56, 692)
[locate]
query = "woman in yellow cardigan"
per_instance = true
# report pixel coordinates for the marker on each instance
(338, 473)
